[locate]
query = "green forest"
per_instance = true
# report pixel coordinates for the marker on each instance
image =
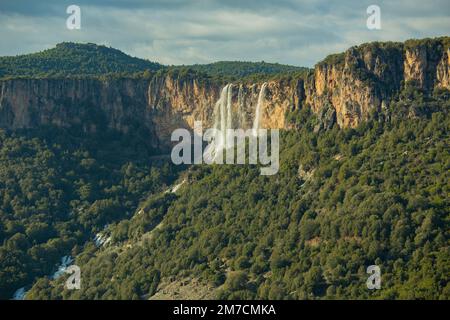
(73, 59)
(343, 199)
(69, 59)
(58, 188)
(242, 70)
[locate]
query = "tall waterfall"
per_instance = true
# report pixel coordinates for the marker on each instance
(223, 119)
(221, 141)
(256, 122)
(229, 134)
(241, 108)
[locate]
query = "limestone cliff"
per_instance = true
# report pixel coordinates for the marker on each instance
(27, 103)
(178, 102)
(427, 63)
(345, 87)
(367, 77)
(355, 82)
(159, 105)
(89, 103)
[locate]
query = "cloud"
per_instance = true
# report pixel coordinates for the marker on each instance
(201, 31)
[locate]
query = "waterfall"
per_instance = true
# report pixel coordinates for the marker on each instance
(241, 105)
(66, 261)
(217, 113)
(229, 125)
(256, 122)
(222, 121)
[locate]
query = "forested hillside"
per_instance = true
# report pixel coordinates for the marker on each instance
(69, 59)
(344, 199)
(58, 188)
(74, 59)
(242, 69)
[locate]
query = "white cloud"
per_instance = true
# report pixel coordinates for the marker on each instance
(182, 32)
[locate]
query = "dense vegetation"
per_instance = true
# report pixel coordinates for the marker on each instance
(73, 59)
(389, 48)
(232, 70)
(90, 60)
(343, 200)
(58, 188)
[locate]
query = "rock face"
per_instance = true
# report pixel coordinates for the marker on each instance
(178, 103)
(344, 88)
(427, 64)
(26, 103)
(88, 103)
(355, 82)
(159, 105)
(364, 78)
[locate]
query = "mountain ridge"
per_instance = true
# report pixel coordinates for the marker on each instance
(71, 59)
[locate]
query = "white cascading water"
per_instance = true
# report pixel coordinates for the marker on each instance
(229, 134)
(222, 107)
(221, 141)
(241, 112)
(256, 122)
(223, 119)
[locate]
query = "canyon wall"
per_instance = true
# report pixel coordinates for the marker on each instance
(179, 102)
(346, 87)
(90, 104)
(368, 77)
(159, 105)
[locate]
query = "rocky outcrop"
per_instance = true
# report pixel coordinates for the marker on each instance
(365, 78)
(427, 63)
(88, 103)
(356, 82)
(443, 70)
(343, 89)
(26, 103)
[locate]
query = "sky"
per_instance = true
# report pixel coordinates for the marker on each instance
(177, 32)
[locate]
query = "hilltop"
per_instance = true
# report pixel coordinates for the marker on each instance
(68, 59)
(72, 59)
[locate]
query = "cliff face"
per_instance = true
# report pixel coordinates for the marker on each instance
(26, 103)
(91, 104)
(159, 105)
(177, 103)
(355, 82)
(367, 77)
(344, 87)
